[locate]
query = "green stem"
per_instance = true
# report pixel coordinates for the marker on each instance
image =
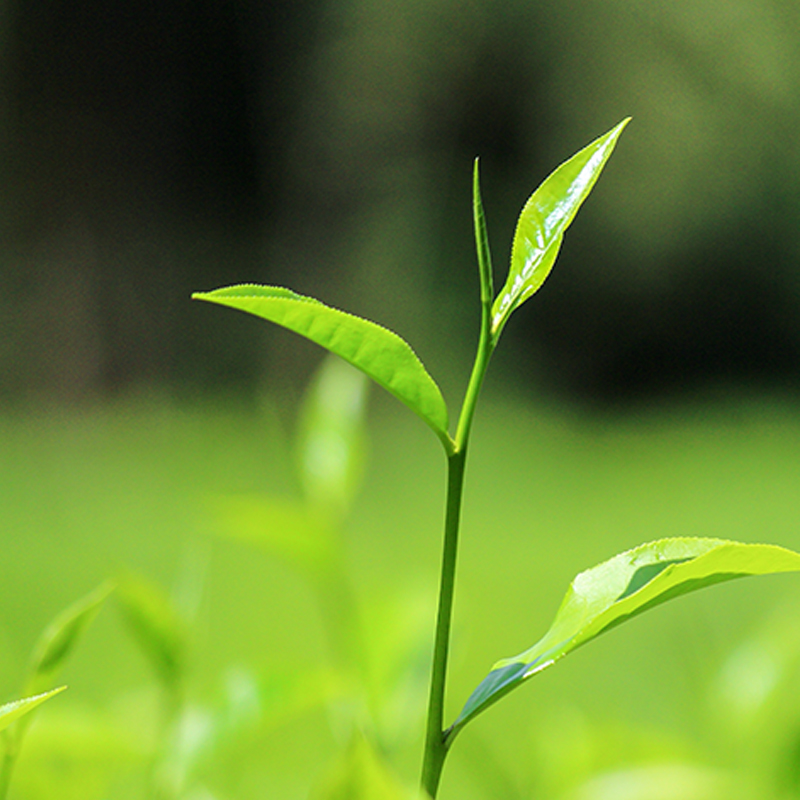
(435, 747)
(436, 740)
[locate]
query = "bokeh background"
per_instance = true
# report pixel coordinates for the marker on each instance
(148, 151)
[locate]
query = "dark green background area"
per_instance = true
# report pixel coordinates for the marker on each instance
(149, 152)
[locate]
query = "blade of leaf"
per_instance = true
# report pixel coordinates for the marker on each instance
(11, 712)
(375, 350)
(154, 622)
(543, 220)
(60, 636)
(482, 239)
(623, 587)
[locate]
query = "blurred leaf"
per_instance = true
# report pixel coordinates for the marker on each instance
(60, 636)
(190, 744)
(681, 781)
(375, 350)
(280, 527)
(10, 712)
(78, 754)
(151, 617)
(543, 220)
(289, 692)
(331, 440)
(360, 774)
(621, 588)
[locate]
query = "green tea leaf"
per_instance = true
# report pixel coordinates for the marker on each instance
(11, 712)
(60, 636)
(154, 622)
(617, 590)
(331, 441)
(544, 218)
(375, 350)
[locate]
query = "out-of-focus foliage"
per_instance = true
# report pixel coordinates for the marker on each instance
(702, 699)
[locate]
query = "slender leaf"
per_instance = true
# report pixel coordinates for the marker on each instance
(617, 590)
(11, 712)
(375, 350)
(332, 439)
(154, 622)
(59, 638)
(481, 239)
(544, 218)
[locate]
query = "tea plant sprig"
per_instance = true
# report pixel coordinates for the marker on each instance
(598, 599)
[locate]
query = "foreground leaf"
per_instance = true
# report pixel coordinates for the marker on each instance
(617, 590)
(60, 637)
(544, 218)
(375, 350)
(11, 712)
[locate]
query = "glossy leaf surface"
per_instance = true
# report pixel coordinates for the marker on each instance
(11, 712)
(543, 220)
(621, 588)
(375, 350)
(60, 637)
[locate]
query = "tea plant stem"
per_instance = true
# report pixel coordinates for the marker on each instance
(435, 746)
(436, 739)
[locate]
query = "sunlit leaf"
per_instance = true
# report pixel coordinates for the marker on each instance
(543, 220)
(60, 637)
(154, 622)
(11, 712)
(375, 350)
(630, 583)
(331, 440)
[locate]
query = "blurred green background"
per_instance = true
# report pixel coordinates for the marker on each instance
(650, 390)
